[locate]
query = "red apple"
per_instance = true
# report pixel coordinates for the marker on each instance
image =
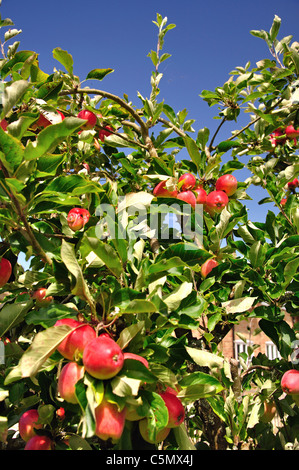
(90, 117)
(227, 183)
(276, 137)
(176, 410)
(103, 358)
(292, 133)
(216, 202)
(128, 355)
(77, 218)
(5, 271)
(187, 196)
(109, 420)
(48, 118)
(161, 190)
(283, 201)
(144, 431)
(70, 374)
(188, 180)
(207, 267)
(39, 443)
(290, 382)
(76, 340)
(293, 184)
(28, 424)
(105, 132)
(201, 196)
(4, 124)
(40, 296)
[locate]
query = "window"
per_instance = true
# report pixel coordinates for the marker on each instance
(272, 351)
(242, 348)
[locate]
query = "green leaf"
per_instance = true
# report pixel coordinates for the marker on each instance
(128, 333)
(50, 90)
(64, 58)
(48, 139)
(106, 254)
(98, 74)
(275, 28)
(12, 314)
(12, 95)
(194, 152)
(205, 358)
(12, 151)
(182, 438)
(42, 347)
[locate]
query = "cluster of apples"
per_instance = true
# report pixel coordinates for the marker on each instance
(91, 120)
(187, 189)
(281, 135)
(102, 358)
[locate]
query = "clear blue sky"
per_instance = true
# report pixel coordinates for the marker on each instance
(210, 39)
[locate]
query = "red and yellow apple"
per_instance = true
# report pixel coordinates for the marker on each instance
(77, 218)
(88, 116)
(70, 374)
(201, 195)
(136, 357)
(188, 197)
(109, 421)
(28, 422)
(40, 296)
(188, 181)
(290, 382)
(176, 410)
(77, 339)
(227, 183)
(39, 443)
(102, 358)
(216, 202)
(161, 190)
(105, 132)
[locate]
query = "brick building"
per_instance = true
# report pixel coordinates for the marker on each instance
(247, 333)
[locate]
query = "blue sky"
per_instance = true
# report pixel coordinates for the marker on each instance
(209, 40)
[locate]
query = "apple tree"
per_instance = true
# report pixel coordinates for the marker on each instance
(110, 325)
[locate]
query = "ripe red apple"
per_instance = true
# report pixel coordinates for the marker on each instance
(227, 183)
(283, 201)
(144, 431)
(128, 355)
(201, 196)
(77, 218)
(4, 124)
(76, 340)
(161, 190)
(207, 266)
(103, 358)
(28, 424)
(48, 118)
(293, 184)
(187, 196)
(109, 420)
(276, 137)
(39, 443)
(60, 413)
(5, 271)
(188, 180)
(90, 117)
(216, 202)
(105, 132)
(40, 296)
(176, 410)
(70, 374)
(292, 133)
(290, 382)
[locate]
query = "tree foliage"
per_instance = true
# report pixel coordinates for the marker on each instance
(141, 286)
